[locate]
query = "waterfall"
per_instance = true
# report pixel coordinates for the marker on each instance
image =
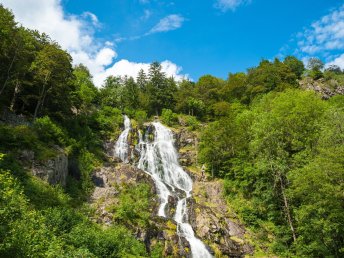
(159, 159)
(122, 146)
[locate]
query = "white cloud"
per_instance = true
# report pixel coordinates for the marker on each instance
(93, 17)
(125, 67)
(146, 15)
(324, 38)
(225, 5)
(326, 34)
(73, 33)
(170, 22)
(339, 61)
(105, 56)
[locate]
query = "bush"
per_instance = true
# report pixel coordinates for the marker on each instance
(168, 117)
(140, 117)
(190, 121)
(17, 137)
(316, 74)
(108, 120)
(49, 132)
(133, 207)
(87, 163)
(115, 241)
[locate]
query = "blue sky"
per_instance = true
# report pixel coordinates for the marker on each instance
(200, 36)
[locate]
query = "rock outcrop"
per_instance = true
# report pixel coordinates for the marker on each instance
(186, 143)
(214, 223)
(327, 89)
(54, 170)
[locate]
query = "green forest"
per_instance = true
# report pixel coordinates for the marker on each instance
(277, 146)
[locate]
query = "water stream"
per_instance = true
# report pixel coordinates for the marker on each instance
(159, 158)
(122, 146)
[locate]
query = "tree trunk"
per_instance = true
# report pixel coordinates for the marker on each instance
(286, 208)
(8, 73)
(41, 97)
(36, 109)
(13, 101)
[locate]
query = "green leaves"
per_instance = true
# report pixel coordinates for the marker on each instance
(283, 164)
(133, 207)
(168, 117)
(50, 132)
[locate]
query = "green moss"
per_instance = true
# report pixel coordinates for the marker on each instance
(171, 225)
(217, 251)
(237, 239)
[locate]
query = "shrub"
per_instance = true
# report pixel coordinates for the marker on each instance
(133, 207)
(192, 122)
(140, 117)
(50, 132)
(108, 119)
(168, 117)
(87, 163)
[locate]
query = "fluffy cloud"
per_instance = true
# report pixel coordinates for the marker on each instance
(73, 33)
(225, 5)
(326, 34)
(170, 22)
(339, 61)
(125, 67)
(324, 38)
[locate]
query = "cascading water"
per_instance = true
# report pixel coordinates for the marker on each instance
(122, 147)
(159, 159)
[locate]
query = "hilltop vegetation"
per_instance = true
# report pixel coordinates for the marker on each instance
(279, 148)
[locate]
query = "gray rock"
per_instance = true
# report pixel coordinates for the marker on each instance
(54, 170)
(326, 89)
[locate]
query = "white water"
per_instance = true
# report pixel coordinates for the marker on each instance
(159, 159)
(122, 147)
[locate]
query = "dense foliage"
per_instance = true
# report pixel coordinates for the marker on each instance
(279, 149)
(281, 158)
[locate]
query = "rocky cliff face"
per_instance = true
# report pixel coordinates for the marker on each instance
(54, 170)
(214, 223)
